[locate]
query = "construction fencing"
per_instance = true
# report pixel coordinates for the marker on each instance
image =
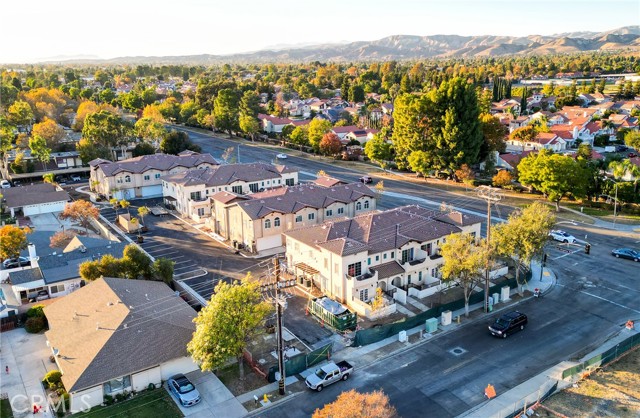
(379, 333)
(302, 362)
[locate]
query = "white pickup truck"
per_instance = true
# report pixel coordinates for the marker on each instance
(328, 374)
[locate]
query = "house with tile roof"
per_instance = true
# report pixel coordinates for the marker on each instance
(115, 335)
(544, 140)
(256, 221)
(273, 124)
(189, 192)
(140, 177)
(396, 250)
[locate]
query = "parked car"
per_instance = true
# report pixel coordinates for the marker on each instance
(508, 323)
(4, 184)
(37, 297)
(562, 236)
(329, 374)
(281, 156)
(621, 148)
(366, 179)
(184, 390)
(11, 263)
(632, 155)
(76, 178)
(628, 253)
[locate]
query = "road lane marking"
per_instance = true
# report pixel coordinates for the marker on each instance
(601, 298)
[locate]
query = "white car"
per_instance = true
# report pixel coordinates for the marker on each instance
(5, 184)
(76, 178)
(562, 236)
(281, 156)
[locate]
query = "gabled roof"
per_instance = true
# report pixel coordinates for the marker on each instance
(274, 120)
(65, 266)
(345, 129)
(379, 231)
(227, 197)
(387, 270)
(227, 174)
(25, 276)
(327, 181)
(114, 327)
(160, 162)
(292, 199)
(35, 194)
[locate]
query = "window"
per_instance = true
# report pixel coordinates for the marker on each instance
(267, 223)
(409, 282)
(359, 206)
(311, 216)
(407, 255)
(329, 212)
(384, 256)
(127, 179)
(254, 187)
(419, 276)
(366, 204)
(276, 222)
(340, 211)
(393, 255)
(335, 268)
(200, 211)
(364, 295)
(326, 263)
(236, 189)
(117, 385)
(298, 218)
(369, 261)
(354, 269)
(147, 177)
(377, 258)
(195, 196)
(56, 289)
(119, 180)
(426, 248)
(157, 176)
(290, 182)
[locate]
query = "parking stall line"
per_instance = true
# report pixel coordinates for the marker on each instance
(164, 254)
(156, 245)
(187, 268)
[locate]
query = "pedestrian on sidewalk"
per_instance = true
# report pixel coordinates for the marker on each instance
(6, 369)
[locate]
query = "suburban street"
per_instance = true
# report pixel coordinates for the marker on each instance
(595, 294)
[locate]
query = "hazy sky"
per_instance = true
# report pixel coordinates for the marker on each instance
(39, 29)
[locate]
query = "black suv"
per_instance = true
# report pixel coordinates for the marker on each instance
(508, 323)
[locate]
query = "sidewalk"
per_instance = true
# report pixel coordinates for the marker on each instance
(597, 222)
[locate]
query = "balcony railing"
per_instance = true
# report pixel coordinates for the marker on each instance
(416, 261)
(365, 276)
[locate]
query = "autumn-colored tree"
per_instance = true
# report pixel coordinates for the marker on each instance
(465, 174)
(502, 179)
(20, 113)
(316, 130)
(352, 404)
(85, 108)
(80, 211)
(12, 241)
(378, 301)
(142, 212)
(124, 204)
(330, 144)
(61, 239)
(321, 173)
(49, 178)
(50, 131)
(524, 135)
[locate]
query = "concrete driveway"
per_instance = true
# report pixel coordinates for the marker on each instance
(217, 400)
(27, 356)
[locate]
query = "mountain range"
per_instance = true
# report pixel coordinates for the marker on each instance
(409, 47)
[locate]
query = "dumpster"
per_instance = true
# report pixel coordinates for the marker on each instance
(333, 314)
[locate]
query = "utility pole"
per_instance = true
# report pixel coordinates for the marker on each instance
(490, 195)
(281, 383)
(238, 153)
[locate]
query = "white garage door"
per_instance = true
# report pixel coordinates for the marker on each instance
(43, 208)
(266, 243)
(149, 191)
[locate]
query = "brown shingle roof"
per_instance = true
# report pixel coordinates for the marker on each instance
(388, 269)
(114, 327)
(226, 174)
(161, 162)
(17, 197)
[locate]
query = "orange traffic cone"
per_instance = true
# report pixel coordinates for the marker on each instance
(490, 392)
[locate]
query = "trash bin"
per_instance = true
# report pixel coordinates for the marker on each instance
(307, 283)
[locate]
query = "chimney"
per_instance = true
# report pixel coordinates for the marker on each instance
(32, 255)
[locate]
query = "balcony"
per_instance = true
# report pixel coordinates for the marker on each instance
(365, 276)
(416, 261)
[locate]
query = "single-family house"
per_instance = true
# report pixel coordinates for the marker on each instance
(544, 140)
(510, 160)
(506, 105)
(393, 250)
(141, 176)
(189, 191)
(256, 222)
(35, 199)
(116, 335)
(273, 124)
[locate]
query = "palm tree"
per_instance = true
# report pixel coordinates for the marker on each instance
(621, 169)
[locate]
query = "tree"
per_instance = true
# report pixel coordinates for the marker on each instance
(378, 149)
(502, 179)
(525, 134)
(135, 262)
(49, 178)
(227, 323)
(465, 174)
(124, 204)
(80, 211)
(248, 113)
(408, 128)
(142, 212)
(352, 404)
(12, 241)
(523, 235)
(143, 148)
(162, 270)
(632, 139)
(554, 175)
(38, 146)
(20, 114)
(464, 263)
(89, 151)
(61, 239)
(330, 144)
(493, 134)
(177, 141)
(50, 131)
(624, 168)
(225, 111)
(149, 129)
(316, 130)
(299, 136)
(104, 129)
(378, 301)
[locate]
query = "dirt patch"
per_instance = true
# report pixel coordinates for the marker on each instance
(230, 377)
(613, 391)
(275, 396)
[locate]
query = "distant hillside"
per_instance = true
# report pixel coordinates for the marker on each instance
(406, 47)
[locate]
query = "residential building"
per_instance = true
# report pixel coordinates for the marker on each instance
(141, 176)
(189, 191)
(117, 335)
(60, 163)
(256, 222)
(394, 250)
(35, 199)
(544, 140)
(273, 124)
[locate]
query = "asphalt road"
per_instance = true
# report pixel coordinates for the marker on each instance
(594, 296)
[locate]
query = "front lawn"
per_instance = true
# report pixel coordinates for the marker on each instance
(154, 404)
(5, 409)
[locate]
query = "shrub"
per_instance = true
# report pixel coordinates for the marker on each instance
(36, 311)
(151, 386)
(53, 377)
(34, 325)
(108, 400)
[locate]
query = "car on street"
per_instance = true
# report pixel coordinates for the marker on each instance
(184, 390)
(281, 156)
(562, 236)
(328, 374)
(508, 323)
(632, 155)
(628, 253)
(621, 148)
(11, 263)
(4, 184)
(366, 179)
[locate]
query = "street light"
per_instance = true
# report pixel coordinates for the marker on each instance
(615, 201)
